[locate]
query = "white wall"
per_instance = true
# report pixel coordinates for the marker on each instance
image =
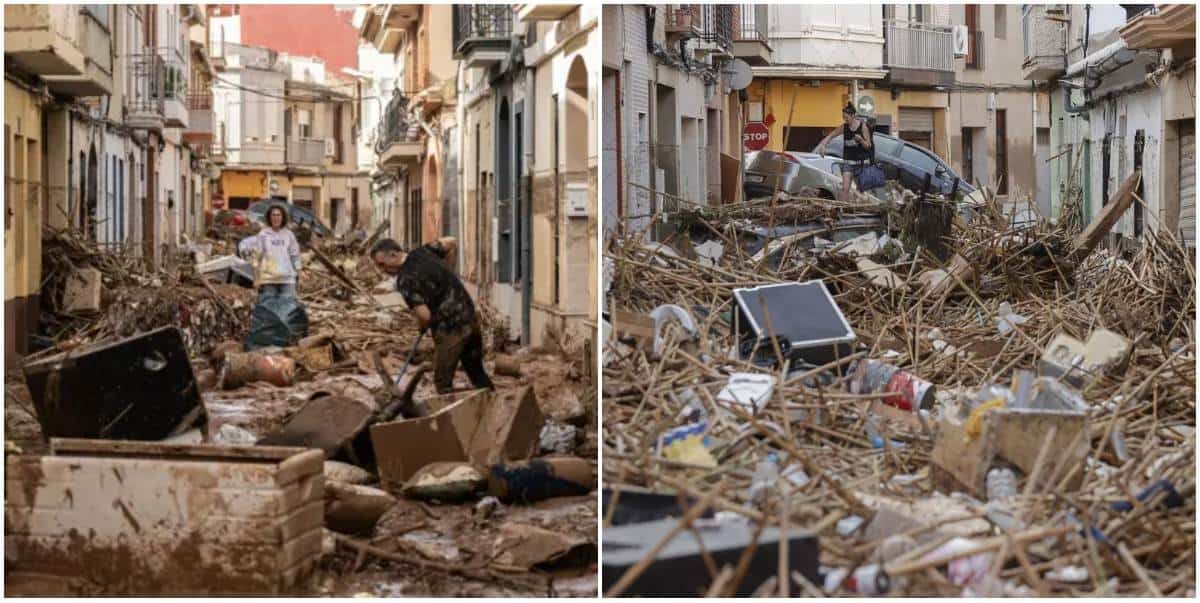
(829, 35)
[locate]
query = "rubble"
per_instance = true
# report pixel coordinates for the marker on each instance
(1085, 443)
(323, 390)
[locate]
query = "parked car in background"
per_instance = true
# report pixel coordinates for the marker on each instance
(297, 216)
(905, 162)
(797, 173)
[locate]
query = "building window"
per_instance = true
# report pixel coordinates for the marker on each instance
(968, 155)
(1002, 151)
(99, 12)
(1001, 21)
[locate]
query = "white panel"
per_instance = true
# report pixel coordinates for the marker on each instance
(1187, 186)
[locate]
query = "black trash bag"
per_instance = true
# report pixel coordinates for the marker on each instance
(278, 322)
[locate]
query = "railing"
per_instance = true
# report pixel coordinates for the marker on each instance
(395, 126)
(682, 17)
(918, 46)
(753, 22)
(198, 101)
(975, 46)
(146, 78)
(716, 24)
(306, 151)
(481, 21)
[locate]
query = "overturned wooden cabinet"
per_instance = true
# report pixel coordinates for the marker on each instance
(121, 517)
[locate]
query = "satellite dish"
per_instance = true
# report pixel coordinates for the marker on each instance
(739, 74)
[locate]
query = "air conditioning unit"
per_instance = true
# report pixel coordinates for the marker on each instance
(961, 40)
(330, 147)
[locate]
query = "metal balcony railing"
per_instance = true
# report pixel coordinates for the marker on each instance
(918, 46)
(716, 24)
(201, 100)
(682, 17)
(975, 46)
(752, 22)
(481, 22)
(395, 126)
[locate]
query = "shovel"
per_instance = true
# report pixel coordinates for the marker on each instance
(402, 400)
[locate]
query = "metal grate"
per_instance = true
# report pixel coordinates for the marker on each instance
(753, 22)
(395, 125)
(481, 21)
(716, 24)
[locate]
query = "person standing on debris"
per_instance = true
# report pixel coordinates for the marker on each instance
(275, 254)
(858, 147)
(438, 299)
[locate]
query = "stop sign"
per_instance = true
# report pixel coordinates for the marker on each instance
(755, 136)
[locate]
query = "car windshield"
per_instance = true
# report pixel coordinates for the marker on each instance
(886, 145)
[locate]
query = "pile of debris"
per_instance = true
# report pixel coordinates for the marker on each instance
(310, 454)
(1016, 418)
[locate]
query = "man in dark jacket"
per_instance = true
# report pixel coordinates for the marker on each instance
(438, 299)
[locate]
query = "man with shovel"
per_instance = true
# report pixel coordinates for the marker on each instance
(436, 296)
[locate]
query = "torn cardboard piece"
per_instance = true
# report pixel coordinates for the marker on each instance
(482, 427)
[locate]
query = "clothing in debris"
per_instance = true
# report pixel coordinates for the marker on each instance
(275, 255)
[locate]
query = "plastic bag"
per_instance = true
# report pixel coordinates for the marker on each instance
(277, 321)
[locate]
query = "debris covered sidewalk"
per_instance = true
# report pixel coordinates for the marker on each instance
(1006, 410)
(489, 494)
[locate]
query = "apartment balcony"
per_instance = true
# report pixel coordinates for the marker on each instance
(1163, 26)
(528, 13)
(398, 139)
(93, 39)
(306, 152)
(1044, 32)
(385, 24)
(918, 53)
(40, 38)
(254, 152)
(200, 117)
(482, 34)
(750, 40)
(682, 21)
(716, 28)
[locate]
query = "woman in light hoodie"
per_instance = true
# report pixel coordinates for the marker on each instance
(275, 254)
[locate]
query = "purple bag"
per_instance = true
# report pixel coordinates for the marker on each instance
(870, 176)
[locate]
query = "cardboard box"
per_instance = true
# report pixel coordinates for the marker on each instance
(82, 294)
(141, 518)
(1014, 435)
(481, 427)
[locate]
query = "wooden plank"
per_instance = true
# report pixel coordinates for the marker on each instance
(1087, 240)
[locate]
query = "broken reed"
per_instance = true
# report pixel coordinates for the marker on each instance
(1148, 298)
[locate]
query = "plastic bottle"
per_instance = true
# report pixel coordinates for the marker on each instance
(1001, 483)
(765, 476)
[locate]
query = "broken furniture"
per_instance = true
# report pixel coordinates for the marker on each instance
(679, 569)
(138, 388)
(146, 518)
(1015, 436)
(804, 315)
(635, 504)
(1080, 363)
(327, 422)
(483, 427)
(227, 269)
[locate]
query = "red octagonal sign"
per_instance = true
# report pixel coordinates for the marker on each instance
(755, 136)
